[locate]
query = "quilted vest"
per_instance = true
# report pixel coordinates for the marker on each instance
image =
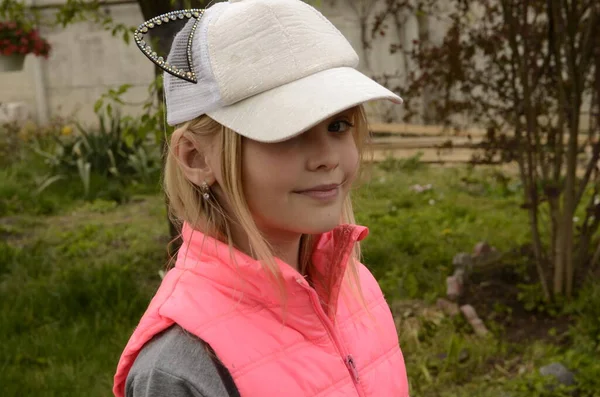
(309, 344)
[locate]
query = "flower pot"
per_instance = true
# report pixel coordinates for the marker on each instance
(12, 63)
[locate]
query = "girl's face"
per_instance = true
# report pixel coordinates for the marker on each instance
(299, 186)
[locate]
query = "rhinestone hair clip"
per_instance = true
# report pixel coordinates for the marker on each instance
(144, 28)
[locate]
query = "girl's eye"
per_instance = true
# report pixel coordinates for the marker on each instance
(340, 126)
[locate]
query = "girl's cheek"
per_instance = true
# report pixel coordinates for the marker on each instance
(352, 158)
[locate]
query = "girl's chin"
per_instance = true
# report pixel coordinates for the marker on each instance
(319, 226)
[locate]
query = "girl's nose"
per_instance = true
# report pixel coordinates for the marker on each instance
(323, 153)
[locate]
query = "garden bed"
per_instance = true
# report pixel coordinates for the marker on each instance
(74, 283)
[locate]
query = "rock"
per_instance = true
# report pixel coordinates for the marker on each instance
(14, 112)
(484, 254)
(453, 287)
(482, 248)
(560, 372)
(421, 188)
(472, 318)
(460, 276)
(462, 260)
(469, 312)
(450, 308)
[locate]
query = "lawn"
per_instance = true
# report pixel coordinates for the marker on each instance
(75, 277)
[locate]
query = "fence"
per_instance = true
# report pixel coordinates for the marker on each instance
(440, 145)
(436, 143)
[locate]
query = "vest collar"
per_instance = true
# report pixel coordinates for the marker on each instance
(244, 276)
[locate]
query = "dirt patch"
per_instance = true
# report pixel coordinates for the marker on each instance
(15, 229)
(494, 293)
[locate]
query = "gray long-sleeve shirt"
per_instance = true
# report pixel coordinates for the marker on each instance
(178, 364)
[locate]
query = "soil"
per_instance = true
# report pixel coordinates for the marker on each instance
(493, 292)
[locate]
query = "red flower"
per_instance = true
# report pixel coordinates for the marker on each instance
(19, 38)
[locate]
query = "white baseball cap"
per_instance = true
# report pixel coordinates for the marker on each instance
(267, 69)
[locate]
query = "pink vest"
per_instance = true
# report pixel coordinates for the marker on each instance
(313, 345)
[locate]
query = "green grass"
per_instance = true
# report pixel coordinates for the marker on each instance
(445, 359)
(74, 284)
(414, 236)
(72, 289)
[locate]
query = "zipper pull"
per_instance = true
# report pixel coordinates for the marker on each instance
(352, 367)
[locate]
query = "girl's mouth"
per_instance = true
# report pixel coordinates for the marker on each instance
(321, 192)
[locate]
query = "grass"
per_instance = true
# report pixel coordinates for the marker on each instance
(19, 190)
(414, 236)
(73, 285)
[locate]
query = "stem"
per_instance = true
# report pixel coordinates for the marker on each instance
(525, 158)
(595, 259)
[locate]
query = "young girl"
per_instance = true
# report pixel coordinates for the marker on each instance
(267, 296)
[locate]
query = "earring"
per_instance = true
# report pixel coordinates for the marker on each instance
(205, 189)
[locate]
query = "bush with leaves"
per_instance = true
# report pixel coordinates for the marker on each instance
(16, 137)
(530, 73)
(117, 149)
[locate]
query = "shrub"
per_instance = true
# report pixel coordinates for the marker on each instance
(115, 151)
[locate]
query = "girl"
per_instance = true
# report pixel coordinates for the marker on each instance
(267, 296)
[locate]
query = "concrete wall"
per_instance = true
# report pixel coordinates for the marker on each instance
(86, 61)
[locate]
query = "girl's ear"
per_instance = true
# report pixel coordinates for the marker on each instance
(194, 158)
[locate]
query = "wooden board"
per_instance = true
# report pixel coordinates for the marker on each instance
(428, 155)
(423, 130)
(426, 142)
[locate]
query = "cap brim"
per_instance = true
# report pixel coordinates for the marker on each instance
(289, 110)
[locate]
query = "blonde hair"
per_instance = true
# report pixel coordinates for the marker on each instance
(187, 205)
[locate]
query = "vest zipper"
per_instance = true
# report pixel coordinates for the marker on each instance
(346, 357)
(352, 367)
